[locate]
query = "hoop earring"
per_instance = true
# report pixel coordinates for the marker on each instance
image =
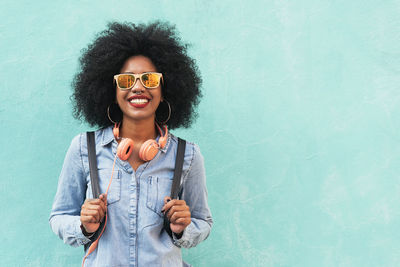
(169, 114)
(108, 113)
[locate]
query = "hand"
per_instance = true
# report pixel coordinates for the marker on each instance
(92, 213)
(178, 214)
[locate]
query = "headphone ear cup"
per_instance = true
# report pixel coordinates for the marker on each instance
(163, 141)
(148, 150)
(125, 149)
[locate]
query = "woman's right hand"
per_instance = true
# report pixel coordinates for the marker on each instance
(92, 213)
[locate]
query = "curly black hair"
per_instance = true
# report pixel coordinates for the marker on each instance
(94, 89)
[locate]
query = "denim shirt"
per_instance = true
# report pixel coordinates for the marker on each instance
(134, 235)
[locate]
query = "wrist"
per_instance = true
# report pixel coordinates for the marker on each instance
(178, 235)
(84, 232)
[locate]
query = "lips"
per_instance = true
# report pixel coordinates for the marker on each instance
(139, 101)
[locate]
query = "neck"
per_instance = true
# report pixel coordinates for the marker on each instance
(138, 131)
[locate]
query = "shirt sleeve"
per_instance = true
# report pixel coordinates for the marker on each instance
(71, 192)
(195, 194)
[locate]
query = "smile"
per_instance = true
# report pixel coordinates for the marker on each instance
(139, 101)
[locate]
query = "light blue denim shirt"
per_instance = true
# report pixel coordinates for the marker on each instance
(134, 235)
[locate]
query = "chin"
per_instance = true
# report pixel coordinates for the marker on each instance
(139, 117)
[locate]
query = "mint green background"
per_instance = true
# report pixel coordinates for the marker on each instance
(299, 125)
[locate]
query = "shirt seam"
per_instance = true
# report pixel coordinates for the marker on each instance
(190, 166)
(80, 153)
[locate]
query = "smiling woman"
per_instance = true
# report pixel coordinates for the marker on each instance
(106, 56)
(135, 82)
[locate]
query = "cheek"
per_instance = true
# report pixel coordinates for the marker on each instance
(158, 94)
(119, 96)
(157, 99)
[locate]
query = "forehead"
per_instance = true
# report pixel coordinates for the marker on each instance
(138, 64)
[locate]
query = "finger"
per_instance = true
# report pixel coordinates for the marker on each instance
(97, 213)
(92, 213)
(103, 197)
(173, 202)
(167, 199)
(176, 207)
(168, 203)
(98, 209)
(88, 219)
(96, 202)
(177, 215)
(183, 221)
(178, 202)
(89, 200)
(103, 203)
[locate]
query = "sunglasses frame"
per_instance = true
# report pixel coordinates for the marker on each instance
(139, 76)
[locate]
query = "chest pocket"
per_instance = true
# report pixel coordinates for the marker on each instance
(157, 189)
(114, 193)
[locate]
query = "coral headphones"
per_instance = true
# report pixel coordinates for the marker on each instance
(148, 150)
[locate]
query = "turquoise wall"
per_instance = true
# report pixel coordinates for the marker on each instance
(299, 125)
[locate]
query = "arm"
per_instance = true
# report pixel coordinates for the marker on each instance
(195, 195)
(71, 192)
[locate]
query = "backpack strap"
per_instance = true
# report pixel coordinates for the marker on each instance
(94, 179)
(94, 176)
(180, 154)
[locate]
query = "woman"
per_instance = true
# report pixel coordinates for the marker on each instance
(135, 83)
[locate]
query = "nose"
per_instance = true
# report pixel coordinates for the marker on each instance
(138, 86)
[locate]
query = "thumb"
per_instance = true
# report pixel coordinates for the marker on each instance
(167, 199)
(103, 197)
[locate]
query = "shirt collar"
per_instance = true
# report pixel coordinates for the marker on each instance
(108, 137)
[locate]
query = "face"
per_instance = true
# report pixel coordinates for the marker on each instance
(138, 103)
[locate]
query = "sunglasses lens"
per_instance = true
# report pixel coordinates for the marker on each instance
(150, 80)
(125, 81)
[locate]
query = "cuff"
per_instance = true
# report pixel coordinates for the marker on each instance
(184, 240)
(80, 237)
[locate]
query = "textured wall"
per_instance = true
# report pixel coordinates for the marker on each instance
(299, 125)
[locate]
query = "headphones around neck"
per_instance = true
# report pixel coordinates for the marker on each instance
(148, 150)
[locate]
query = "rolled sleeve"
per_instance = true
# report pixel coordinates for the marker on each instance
(71, 191)
(195, 194)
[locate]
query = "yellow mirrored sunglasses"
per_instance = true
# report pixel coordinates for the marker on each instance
(149, 80)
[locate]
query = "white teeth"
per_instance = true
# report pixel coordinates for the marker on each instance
(139, 100)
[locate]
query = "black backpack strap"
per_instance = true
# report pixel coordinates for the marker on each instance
(94, 179)
(180, 154)
(94, 176)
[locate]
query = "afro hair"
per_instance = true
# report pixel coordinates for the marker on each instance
(94, 89)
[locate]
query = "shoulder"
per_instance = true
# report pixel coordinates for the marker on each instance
(192, 150)
(79, 142)
(76, 143)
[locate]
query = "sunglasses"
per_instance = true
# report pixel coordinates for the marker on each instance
(149, 80)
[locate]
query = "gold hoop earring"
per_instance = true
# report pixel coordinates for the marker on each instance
(108, 113)
(169, 114)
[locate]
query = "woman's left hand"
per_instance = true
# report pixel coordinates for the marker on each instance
(178, 214)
